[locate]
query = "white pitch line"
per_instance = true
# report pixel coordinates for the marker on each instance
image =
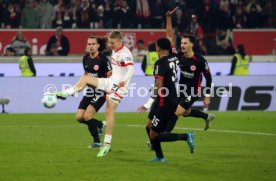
(137, 125)
(219, 131)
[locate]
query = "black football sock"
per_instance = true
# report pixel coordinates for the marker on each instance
(157, 148)
(169, 137)
(92, 127)
(98, 122)
(171, 123)
(198, 114)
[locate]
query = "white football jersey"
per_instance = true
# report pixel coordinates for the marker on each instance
(120, 59)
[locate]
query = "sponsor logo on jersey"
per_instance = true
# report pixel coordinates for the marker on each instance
(96, 67)
(187, 74)
(193, 68)
(92, 74)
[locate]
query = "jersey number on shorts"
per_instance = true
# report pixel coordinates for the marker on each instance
(95, 98)
(115, 87)
(155, 121)
(174, 68)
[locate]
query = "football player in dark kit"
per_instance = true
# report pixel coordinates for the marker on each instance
(165, 102)
(192, 66)
(98, 65)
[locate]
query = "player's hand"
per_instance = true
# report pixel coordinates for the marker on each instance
(142, 109)
(109, 73)
(206, 101)
(170, 13)
(122, 84)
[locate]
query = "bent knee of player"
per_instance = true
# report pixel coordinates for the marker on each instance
(179, 111)
(80, 118)
(88, 114)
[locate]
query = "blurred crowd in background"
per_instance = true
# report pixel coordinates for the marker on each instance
(211, 21)
(209, 14)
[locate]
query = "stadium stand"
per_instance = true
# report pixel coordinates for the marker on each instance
(209, 20)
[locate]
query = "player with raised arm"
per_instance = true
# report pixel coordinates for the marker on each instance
(94, 64)
(115, 86)
(192, 66)
(164, 102)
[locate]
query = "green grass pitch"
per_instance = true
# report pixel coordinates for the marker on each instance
(37, 147)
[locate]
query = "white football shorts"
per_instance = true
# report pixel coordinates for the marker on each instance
(114, 92)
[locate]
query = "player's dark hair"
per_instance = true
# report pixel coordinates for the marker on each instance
(92, 36)
(241, 50)
(190, 37)
(164, 44)
(102, 41)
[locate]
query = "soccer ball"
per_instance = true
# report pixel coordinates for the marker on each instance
(49, 100)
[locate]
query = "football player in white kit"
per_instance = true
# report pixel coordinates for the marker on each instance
(115, 86)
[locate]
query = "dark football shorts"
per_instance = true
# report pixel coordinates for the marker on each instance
(187, 101)
(160, 116)
(96, 101)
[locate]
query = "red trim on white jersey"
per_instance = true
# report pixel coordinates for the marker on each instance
(120, 48)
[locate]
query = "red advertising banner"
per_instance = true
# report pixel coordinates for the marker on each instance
(256, 42)
(38, 38)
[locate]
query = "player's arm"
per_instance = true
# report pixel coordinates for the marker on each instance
(157, 86)
(129, 74)
(208, 77)
(130, 70)
(148, 104)
(159, 73)
(83, 62)
(233, 65)
(169, 29)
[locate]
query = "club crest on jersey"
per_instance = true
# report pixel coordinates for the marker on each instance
(96, 67)
(193, 67)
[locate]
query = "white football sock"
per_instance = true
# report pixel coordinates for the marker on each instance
(107, 139)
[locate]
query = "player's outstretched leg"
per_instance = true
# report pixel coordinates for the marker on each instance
(79, 86)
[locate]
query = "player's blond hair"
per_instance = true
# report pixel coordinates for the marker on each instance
(116, 35)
